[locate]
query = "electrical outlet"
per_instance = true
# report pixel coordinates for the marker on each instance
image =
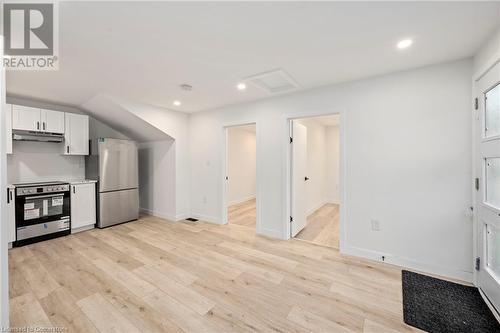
(375, 225)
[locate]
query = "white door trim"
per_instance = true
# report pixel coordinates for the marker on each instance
(4, 269)
(343, 217)
(258, 196)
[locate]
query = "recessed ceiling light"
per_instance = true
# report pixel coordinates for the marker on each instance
(177, 103)
(405, 43)
(241, 86)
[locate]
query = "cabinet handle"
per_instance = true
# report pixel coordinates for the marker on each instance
(74, 189)
(11, 194)
(67, 149)
(44, 125)
(8, 195)
(37, 125)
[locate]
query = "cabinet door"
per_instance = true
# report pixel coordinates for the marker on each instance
(8, 128)
(11, 215)
(52, 121)
(83, 207)
(76, 135)
(25, 118)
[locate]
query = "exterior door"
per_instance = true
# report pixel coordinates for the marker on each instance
(487, 160)
(299, 177)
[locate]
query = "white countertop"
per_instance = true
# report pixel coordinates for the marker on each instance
(82, 181)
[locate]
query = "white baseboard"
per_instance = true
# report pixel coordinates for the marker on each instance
(321, 204)
(207, 218)
(407, 263)
(241, 200)
(84, 228)
(166, 216)
(316, 207)
(182, 216)
(271, 233)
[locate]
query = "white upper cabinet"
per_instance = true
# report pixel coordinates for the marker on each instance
(8, 128)
(25, 118)
(52, 121)
(38, 120)
(76, 135)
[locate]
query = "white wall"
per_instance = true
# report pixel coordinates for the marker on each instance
(157, 181)
(332, 137)
(408, 148)
(42, 161)
(489, 52)
(99, 129)
(241, 164)
(176, 125)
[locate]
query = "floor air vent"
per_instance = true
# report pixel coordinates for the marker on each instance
(192, 219)
(273, 82)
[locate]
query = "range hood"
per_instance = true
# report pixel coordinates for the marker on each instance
(37, 136)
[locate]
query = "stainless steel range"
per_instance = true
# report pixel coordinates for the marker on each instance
(42, 211)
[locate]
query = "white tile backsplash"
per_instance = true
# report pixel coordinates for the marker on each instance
(42, 161)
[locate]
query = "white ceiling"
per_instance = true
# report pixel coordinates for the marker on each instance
(143, 51)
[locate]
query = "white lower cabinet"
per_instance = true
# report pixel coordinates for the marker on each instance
(11, 214)
(83, 206)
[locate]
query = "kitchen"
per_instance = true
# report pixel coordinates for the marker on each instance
(53, 168)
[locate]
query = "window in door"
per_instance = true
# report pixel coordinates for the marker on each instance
(493, 249)
(492, 112)
(493, 182)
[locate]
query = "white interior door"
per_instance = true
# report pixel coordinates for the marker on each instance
(487, 159)
(299, 177)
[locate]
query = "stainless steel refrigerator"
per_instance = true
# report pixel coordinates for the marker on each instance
(114, 164)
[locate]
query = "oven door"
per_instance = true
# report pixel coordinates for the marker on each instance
(43, 208)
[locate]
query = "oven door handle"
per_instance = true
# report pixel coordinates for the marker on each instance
(45, 196)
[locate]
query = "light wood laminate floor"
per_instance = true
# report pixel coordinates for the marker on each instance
(322, 227)
(244, 214)
(156, 276)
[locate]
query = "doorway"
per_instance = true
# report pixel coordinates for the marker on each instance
(315, 180)
(241, 176)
